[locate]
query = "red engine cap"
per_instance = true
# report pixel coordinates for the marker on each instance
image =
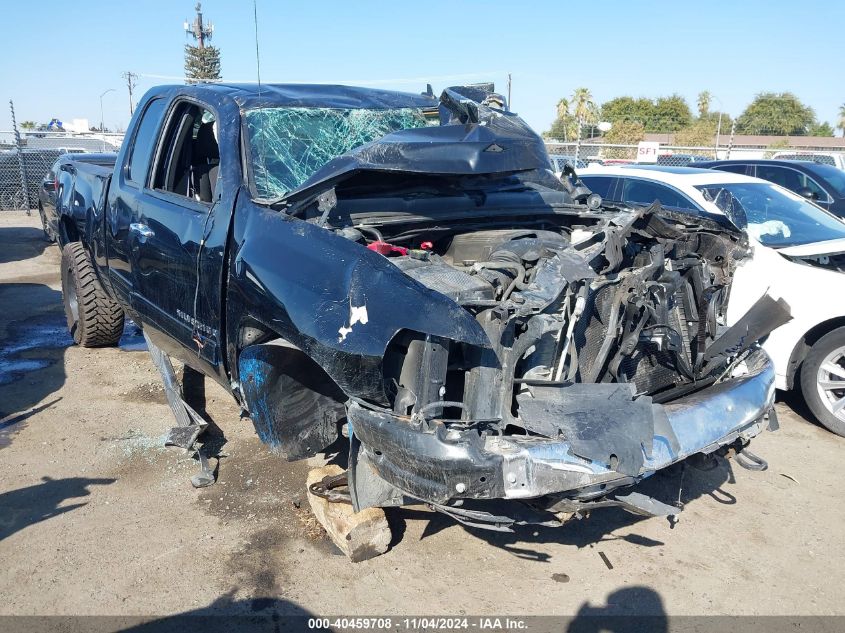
(383, 248)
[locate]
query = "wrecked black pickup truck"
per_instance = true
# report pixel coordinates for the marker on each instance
(409, 268)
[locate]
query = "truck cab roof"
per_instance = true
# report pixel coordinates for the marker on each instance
(304, 95)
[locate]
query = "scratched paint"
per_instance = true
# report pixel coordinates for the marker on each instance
(357, 314)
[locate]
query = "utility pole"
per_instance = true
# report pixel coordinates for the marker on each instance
(578, 140)
(130, 78)
(509, 91)
(102, 125)
(21, 164)
(718, 135)
(731, 142)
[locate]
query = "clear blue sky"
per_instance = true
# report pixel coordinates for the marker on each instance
(57, 57)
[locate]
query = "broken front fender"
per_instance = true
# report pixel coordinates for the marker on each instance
(331, 298)
(440, 464)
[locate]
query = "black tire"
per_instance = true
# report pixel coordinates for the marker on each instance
(93, 319)
(820, 392)
(48, 234)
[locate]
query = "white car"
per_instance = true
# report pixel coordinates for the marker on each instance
(799, 255)
(560, 160)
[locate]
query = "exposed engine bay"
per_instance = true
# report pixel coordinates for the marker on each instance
(635, 300)
(593, 320)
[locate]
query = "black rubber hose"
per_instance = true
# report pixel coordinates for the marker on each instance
(750, 461)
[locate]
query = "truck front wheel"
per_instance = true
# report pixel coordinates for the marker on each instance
(823, 380)
(94, 320)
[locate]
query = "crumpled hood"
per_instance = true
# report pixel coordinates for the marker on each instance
(499, 142)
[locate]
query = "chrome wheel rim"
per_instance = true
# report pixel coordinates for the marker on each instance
(830, 382)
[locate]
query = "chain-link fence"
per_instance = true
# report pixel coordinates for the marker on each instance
(23, 167)
(582, 154)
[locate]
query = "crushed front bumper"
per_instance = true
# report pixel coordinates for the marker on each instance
(442, 464)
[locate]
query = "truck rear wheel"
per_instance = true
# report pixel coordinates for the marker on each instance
(93, 319)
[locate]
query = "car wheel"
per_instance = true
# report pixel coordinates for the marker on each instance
(48, 234)
(823, 380)
(93, 319)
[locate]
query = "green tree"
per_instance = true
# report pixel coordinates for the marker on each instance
(821, 129)
(562, 108)
(670, 114)
(665, 114)
(780, 144)
(628, 109)
(841, 123)
(704, 99)
(701, 133)
(565, 125)
(584, 108)
(624, 133)
(28, 125)
(201, 63)
(563, 129)
(713, 119)
(780, 114)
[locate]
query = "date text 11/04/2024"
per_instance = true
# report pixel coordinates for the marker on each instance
(419, 623)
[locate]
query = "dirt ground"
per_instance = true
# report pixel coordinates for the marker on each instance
(97, 517)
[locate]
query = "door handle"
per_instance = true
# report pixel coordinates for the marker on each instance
(142, 230)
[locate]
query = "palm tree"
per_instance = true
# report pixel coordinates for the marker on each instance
(841, 124)
(562, 108)
(584, 107)
(704, 99)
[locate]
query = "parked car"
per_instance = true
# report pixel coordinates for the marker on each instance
(834, 159)
(823, 184)
(680, 160)
(57, 182)
(559, 160)
(332, 255)
(799, 254)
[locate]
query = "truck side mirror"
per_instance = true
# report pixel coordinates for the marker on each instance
(806, 192)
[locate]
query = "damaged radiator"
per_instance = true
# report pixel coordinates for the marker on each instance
(649, 367)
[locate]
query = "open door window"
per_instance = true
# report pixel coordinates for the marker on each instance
(189, 156)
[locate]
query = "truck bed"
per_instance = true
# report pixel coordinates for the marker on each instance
(80, 207)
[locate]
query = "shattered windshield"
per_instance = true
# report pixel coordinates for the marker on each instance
(288, 145)
(772, 215)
